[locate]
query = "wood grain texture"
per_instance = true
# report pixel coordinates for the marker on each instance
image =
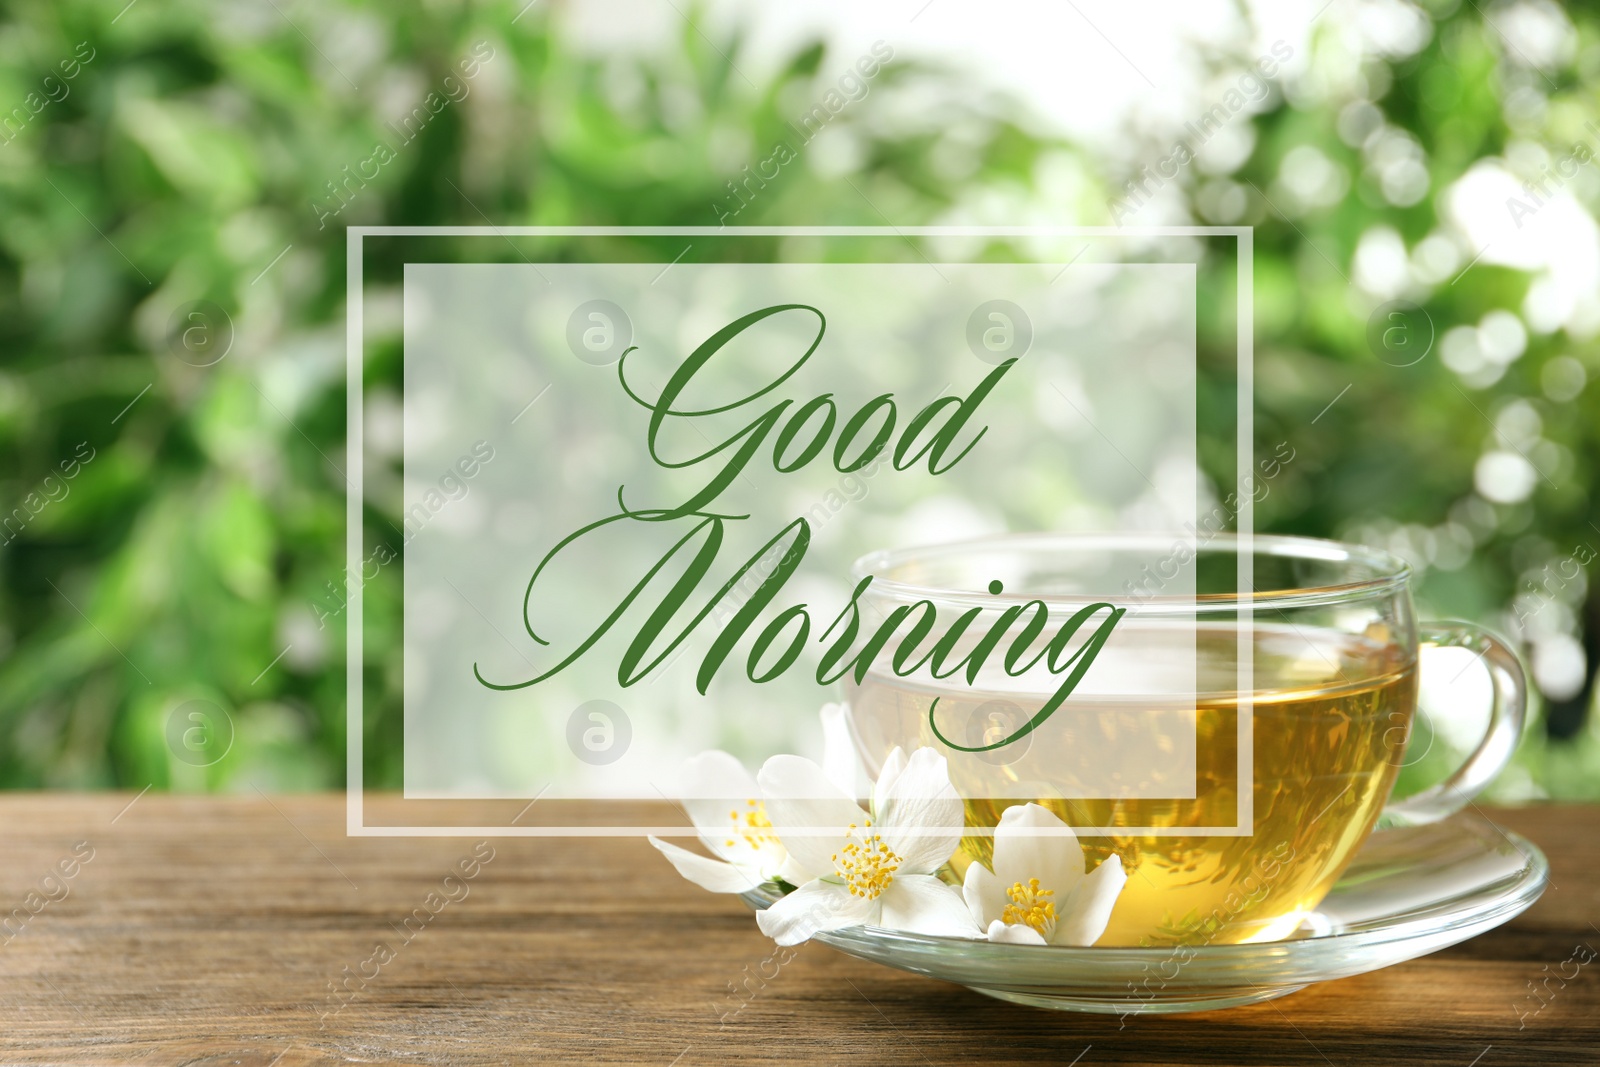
(214, 931)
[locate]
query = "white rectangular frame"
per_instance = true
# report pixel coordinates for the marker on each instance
(355, 795)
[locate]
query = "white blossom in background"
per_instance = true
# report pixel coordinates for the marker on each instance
(728, 811)
(879, 867)
(1038, 893)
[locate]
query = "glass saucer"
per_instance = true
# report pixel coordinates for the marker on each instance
(1408, 892)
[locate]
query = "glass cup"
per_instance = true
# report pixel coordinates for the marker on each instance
(1234, 738)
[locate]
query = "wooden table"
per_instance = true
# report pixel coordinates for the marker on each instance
(244, 931)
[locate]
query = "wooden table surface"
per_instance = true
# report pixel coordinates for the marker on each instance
(247, 931)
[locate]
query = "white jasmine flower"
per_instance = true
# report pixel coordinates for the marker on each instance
(1037, 893)
(875, 869)
(732, 820)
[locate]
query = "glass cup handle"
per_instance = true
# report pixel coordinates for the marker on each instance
(1507, 715)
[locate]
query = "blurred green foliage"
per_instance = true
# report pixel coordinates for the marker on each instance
(176, 201)
(205, 534)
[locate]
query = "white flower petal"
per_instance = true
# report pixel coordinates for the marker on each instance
(813, 908)
(755, 847)
(707, 873)
(838, 749)
(792, 872)
(893, 764)
(1088, 910)
(985, 898)
(1014, 934)
(720, 786)
(921, 816)
(921, 904)
(739, 852)
(799, 796)
(717, 775)
(1031, 842)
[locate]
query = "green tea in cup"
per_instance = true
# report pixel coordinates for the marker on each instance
(1234, 749)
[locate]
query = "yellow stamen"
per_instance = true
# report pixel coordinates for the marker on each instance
(1030, 906)
(753, 826)
(867, 864)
